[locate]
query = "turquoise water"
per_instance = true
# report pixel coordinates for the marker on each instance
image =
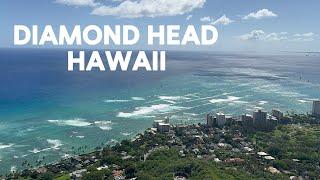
(48, 112)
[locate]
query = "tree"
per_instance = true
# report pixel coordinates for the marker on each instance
(94, 175)
(130, 171)
(46, 176)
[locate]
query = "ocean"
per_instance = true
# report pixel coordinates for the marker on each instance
(47, 113)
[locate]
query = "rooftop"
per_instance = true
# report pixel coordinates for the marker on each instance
(164, 124)
(262, 153)
(220, 114)
(269, 158)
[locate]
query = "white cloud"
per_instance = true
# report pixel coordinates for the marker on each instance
(276, 36)
(303, 39)
(188, 17)
(205, 19)
(263, 13)
(224, 20)
(260, 35)
(310, 36)
(149, 8)
(90, 3)
(263, 36)
(253, 35)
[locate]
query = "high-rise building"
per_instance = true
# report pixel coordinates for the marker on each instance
(210, 120)
(316, 108)
(247, 119)
(230, 120)
(278, 114)
(260, 117)
(221, 119)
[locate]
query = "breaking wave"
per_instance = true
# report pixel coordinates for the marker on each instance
(149, 111)
(77, 122)
(4, 146)
(104, 125)
(229, 99)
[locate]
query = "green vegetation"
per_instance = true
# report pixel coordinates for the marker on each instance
(199, 152)
(63, 177)
(296, 148)
(165, 164)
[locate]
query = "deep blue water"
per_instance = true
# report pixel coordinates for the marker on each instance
(45, 110)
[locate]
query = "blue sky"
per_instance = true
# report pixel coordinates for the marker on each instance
(243, 25)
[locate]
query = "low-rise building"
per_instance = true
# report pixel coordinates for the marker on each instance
(269, 158)
(277, 113)
(181, 128)
(273, 170)
(163, 127)
(234, 161)
(102, 167)
(41, 170)
(262, 153)
(156, 123)
(77, 174)
(273, 120)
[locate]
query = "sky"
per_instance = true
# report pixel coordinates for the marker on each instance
(243, 25)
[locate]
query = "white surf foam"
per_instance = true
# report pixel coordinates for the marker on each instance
(77, 122)
(303, 101)
(170, 101)
(55, 143)
(116, 100)
(104, 125)
(257, 108)
(124, 100)
(112, 141)
(196, 95)
(190, 114)
(24, 155)
(291, 94)
(66, 156)
(4, 146)
(173, 98)
(13, 169)
(35, 151)
(138, 98)
(262, 102)
(126, 134)
(229, 99)
(149, 111)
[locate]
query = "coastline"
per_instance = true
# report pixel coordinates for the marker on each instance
(79, 165)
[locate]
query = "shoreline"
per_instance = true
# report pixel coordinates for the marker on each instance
(90, 157)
